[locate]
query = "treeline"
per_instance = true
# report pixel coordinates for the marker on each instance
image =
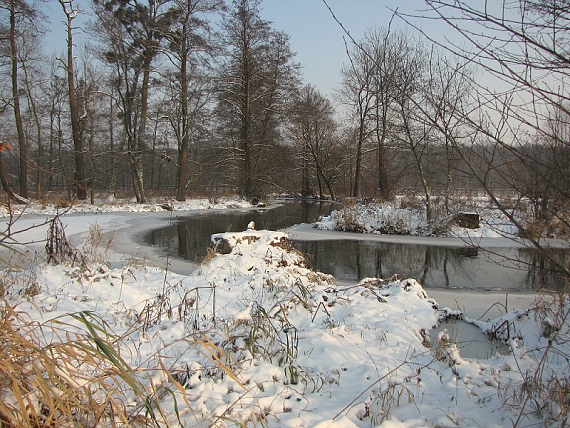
(200, 96)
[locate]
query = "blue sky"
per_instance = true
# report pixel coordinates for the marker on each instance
(318, 39)
(315, 36)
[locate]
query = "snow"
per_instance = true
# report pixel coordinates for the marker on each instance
(392, 218)
(111, 205)
(255, 337)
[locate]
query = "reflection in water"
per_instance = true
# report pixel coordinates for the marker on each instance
(433, 266)
(189, 237)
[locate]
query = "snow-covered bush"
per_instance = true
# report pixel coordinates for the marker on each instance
(382, 218)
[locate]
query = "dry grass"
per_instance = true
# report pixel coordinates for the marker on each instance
(348, 222)
(50, 377)
(412, 202)
(98, 246)
(56, 374)
(209, 256)
(57, 199)
(554, 228)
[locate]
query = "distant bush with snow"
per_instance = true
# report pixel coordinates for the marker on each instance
(383, 218)
(400, 217)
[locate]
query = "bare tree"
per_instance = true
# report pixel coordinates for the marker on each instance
(4, 176)
(188, 41)
(446, 98)
(131, 34)
(357, 93)
(387, 49)
(33, 78)
(79, 177)
(382, 46)
(55, 94)
(524, 46)
(21, 15)
(385, 69)
(313, 127)
(92, 95)
(431, 112)
(414, 132)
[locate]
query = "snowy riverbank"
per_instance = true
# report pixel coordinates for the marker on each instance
(255, 337)
(397, 218)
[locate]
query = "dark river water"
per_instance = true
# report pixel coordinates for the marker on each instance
(458, 267)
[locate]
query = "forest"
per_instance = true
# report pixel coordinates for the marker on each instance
(186, 97)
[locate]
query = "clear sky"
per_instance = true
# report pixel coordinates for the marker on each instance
(316, 37)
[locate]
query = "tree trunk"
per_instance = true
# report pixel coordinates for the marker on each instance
(247, 183)
(40, 158)
(79, 176)
(449, 176)
(381, 131)
(37, 121)
(114, 153)
(183, 150)
(23, 144)
(305, 185)
(330, 187)
(116, 166)
(142, 127)
(418, 158)
(51, 161)
(357, 170)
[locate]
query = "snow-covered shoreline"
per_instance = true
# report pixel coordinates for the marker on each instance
(128, 222)
(293, 347)
(410, 226)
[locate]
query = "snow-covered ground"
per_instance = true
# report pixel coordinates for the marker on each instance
(254, 337)
(123, 205)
